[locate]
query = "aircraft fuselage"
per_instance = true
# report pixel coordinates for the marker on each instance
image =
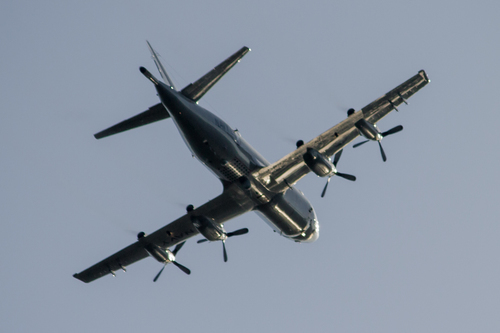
(223, 151)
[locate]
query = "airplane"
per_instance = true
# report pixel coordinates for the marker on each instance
(250, 182)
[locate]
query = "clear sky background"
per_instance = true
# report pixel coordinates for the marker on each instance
(411, 246)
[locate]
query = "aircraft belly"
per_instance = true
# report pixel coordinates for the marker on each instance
(250, 182)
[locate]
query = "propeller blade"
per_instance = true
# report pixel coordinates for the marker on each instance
(178, 247)
(393, 130)
(324, 190)
(182, 268)
(237, 232)
(359, 144)
(346, 176)
(202, 240)
(224, 251)
(159, 273)
(337, 157)
(384, 158)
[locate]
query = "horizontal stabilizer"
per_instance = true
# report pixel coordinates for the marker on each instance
(155, 113)
(195, 91)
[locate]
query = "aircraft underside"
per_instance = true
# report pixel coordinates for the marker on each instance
(250, 182)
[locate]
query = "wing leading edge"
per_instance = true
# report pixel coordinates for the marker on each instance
(291, 168)
(228, 205)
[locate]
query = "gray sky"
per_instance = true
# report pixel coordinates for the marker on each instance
(412, 246)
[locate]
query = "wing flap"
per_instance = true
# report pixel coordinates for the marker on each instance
(196, 90)
(155, 113)
(117, 261)
(381, 107)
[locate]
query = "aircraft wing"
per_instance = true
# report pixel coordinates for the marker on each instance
(228, 205)
(288, 170)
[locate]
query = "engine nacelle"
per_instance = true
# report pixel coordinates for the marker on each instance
(163, 256)
(368, 130)
(208, 228)
(318, 163)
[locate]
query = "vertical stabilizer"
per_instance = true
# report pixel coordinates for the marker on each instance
(162, 70)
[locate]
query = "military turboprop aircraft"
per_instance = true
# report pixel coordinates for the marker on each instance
(250, 183)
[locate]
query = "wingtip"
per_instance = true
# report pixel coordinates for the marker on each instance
(77, 276)
(425, 75)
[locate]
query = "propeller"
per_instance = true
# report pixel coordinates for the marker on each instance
(336, 173)
(178, 247)
(359, 144)
(181, 267)
(384, 158)
(229, 234)
(237, 232)
(224, 253)
(159, 273)
(384, 134)
(326, 185)
(393, 130)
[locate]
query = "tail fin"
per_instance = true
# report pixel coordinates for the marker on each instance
(162, 70)
(196, 90)
(193, 91)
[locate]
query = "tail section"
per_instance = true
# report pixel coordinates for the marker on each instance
(162, 70)
(193, 91)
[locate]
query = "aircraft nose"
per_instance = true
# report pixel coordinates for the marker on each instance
(314, 234)
(313, 237)
(308, 236)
